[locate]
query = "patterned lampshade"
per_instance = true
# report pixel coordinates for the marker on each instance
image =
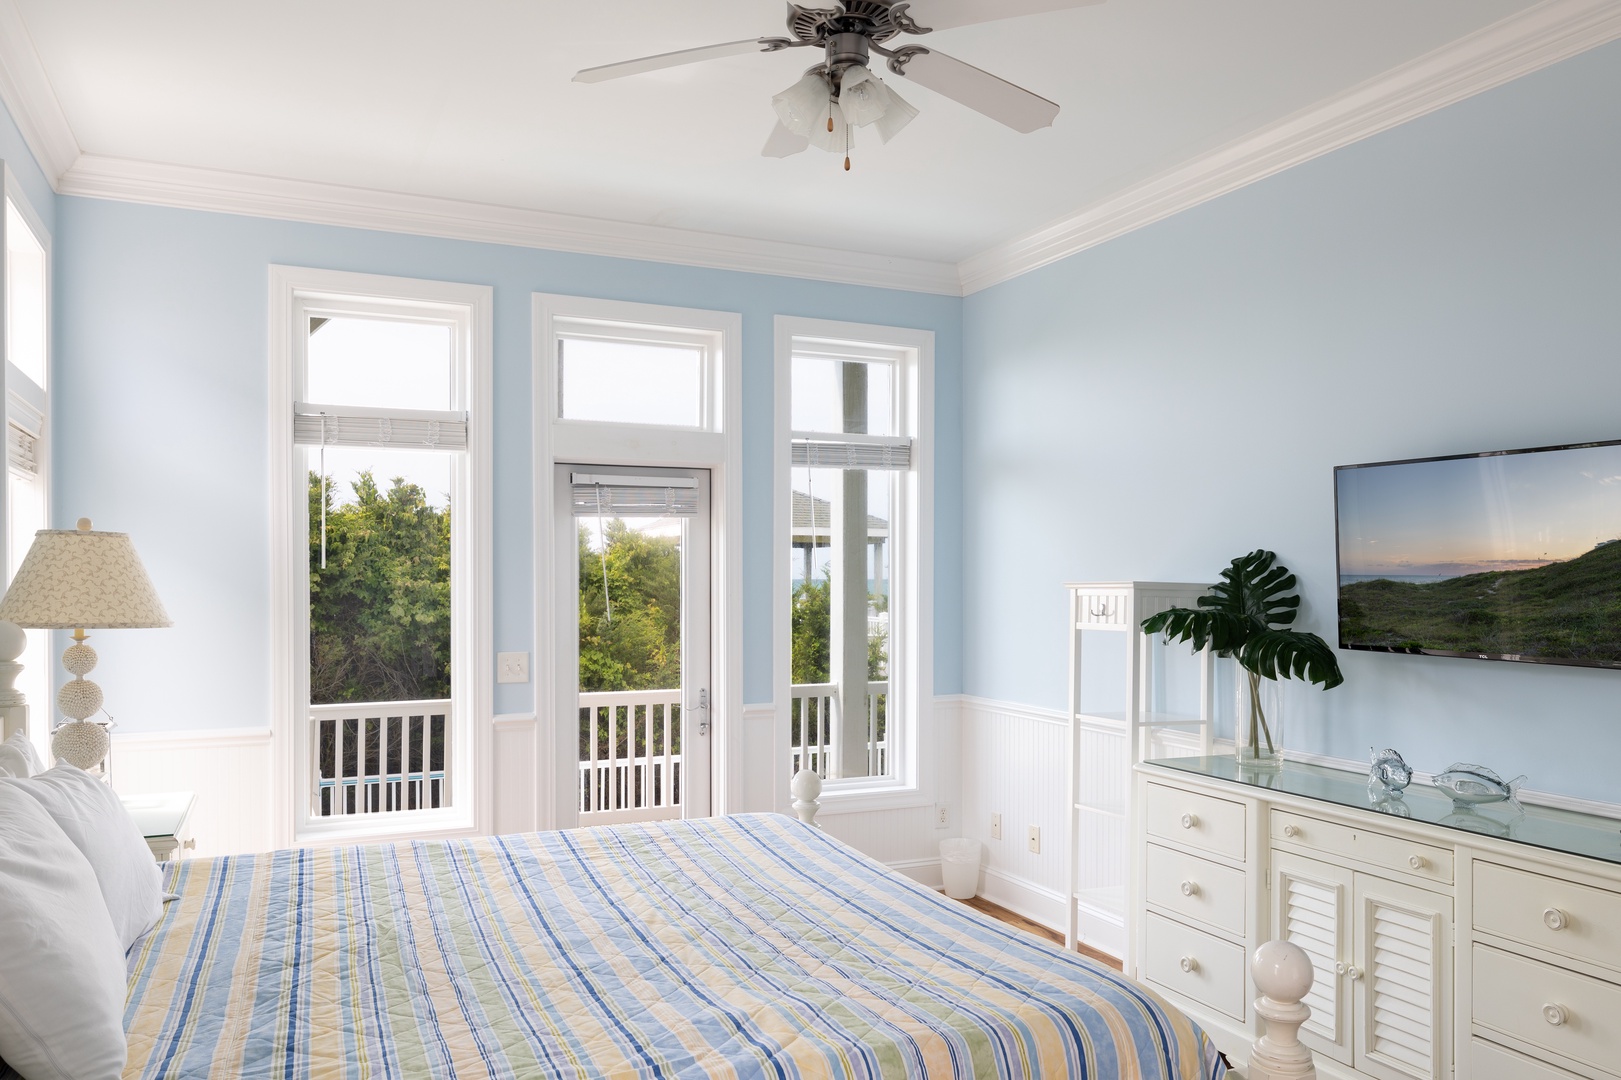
(75, 579)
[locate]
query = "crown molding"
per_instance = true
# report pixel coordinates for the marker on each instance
(1529, 41)
(95, 176)
(28, 96)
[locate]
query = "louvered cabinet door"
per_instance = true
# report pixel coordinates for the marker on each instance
(1402, 938)
(1312, 908)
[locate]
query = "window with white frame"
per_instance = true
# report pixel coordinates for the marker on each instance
(384, 480)
(854, 452)
(631, 373)
(27, 338)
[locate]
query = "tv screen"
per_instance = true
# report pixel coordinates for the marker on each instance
(1511, 555)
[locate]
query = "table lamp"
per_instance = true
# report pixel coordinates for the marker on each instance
(74, 579)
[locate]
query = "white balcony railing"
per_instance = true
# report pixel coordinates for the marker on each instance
(380, 757)
(811, 722)
(630, 756)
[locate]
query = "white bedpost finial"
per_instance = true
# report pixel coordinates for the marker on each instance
(1283, 974)
(807, 789)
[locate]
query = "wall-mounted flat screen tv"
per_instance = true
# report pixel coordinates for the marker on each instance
(1510, 555)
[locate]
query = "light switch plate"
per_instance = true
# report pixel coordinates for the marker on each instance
(996, 826)
(1034, 842)
(512, 667)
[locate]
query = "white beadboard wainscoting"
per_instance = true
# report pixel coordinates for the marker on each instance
(228, 769)
(230, 772)
(1013, 765)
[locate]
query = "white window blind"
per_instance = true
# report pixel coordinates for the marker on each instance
(828, 451)
(635, 496)
(22, 449)
(397, 429)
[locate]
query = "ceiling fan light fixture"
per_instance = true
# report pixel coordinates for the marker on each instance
(803, 107)
(863, 97)
(899, 113)
(835, 137)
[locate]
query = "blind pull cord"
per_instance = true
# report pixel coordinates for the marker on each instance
(323, 491)
(602, 532)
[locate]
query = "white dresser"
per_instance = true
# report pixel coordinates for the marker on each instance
(1483, 945)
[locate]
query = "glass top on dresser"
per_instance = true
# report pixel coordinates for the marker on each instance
(1539, 826)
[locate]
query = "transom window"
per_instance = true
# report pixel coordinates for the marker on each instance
(632, 374)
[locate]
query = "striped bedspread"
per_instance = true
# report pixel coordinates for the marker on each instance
(749, 946)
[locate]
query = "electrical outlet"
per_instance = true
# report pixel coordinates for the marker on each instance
(1034, 843)
(942, 816)
(512, 667)
(996, 826)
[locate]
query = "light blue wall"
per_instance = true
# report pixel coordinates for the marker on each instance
(162, 427)
(1156, 405)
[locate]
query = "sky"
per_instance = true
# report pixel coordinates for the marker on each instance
(1472, 515)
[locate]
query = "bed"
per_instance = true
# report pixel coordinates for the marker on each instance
(732, 947)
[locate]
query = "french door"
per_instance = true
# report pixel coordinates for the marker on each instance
(633, 641)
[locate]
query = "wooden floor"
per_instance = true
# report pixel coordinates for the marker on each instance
(1002, 914)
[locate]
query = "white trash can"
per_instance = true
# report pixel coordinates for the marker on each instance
(959, 866)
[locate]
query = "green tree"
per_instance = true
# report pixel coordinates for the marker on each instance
(639, 647)
(380, 609)
(811, 634)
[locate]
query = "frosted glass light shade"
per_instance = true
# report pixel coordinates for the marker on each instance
(862, 97)
(899, 113)
(74, 579)
(803, 107)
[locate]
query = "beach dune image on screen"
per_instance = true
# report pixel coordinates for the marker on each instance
(1502, 556)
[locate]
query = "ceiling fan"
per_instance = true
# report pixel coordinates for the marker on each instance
(841, 93)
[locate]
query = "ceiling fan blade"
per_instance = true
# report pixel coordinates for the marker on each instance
(981, 91)
(670, 60)
(784, 143)
(945, 14)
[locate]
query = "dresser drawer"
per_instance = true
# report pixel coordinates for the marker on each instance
(1195, 888)
(1194, 964)
(1549, 913)
(1374, 848)
(1548, 1007)
(1488, 1061)
(1200, 821)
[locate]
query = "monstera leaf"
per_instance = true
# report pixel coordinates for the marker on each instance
(1246, 615)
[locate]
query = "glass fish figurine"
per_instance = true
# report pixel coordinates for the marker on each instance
(1388, 770)
(1472, 785)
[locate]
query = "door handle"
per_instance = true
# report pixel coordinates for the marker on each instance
(703, 713)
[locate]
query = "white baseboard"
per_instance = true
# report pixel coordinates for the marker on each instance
(922, 871)
(1035, 902)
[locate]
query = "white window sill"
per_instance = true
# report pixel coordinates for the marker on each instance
(384, 829)
(861, 800)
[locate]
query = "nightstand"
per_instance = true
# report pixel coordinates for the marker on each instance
(163, 821)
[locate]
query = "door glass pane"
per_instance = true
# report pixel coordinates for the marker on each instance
(630, 382)
(630, 638)
(379, 363)
(26, 319)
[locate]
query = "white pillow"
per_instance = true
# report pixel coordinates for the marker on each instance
(62, 974)
(96, 822)
(19, 758)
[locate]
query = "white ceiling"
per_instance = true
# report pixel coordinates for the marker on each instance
(472, 100)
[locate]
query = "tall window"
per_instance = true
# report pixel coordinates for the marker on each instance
(383, 464)
(855, 556)
(27, 335)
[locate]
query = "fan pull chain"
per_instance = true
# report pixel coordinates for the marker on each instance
(847, 142)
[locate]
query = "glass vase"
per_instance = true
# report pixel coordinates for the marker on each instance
(1258, 728)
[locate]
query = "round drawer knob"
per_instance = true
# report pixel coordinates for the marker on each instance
(1291, 831)
(1190, 888)
(1555, 1015)
(1190, 821)
(1554, 919)
(1189, 964)
(1418, 862)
